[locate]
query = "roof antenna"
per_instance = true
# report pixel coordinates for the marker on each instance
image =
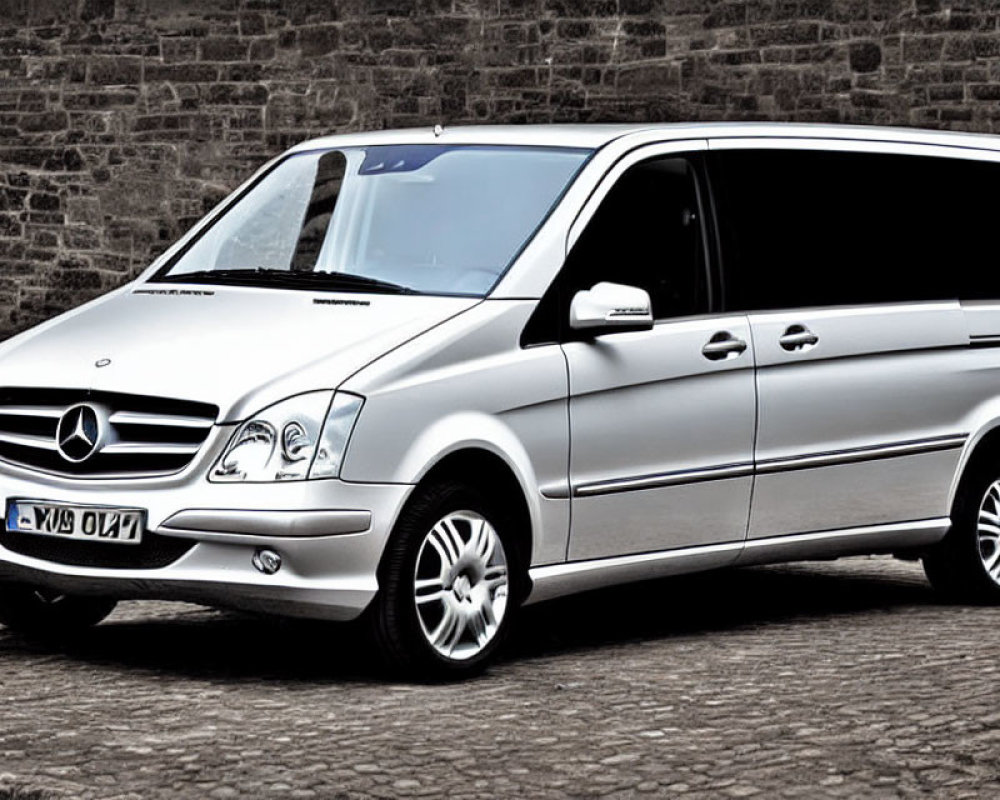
(438, 130)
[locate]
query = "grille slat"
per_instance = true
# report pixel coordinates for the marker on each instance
(32, 411)
(28, 440)
(144, 436)
(137, 418)
(152, 448)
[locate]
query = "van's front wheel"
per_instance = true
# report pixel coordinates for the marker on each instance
(965, 565)
(447, 584)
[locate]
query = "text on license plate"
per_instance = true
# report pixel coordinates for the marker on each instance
(123, 526)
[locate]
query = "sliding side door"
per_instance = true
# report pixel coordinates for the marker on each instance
(846, 256)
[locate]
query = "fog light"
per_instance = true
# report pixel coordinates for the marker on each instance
(267, 561)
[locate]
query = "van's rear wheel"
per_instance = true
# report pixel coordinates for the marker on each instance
(33, 611)
(448, 584)
(965, 565)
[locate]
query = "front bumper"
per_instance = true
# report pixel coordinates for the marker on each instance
(330, 535)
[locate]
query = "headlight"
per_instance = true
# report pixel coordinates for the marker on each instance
(302, 437)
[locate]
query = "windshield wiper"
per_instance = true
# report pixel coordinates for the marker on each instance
(287, 279)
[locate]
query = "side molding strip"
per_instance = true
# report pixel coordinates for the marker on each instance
(558, 490)
(783, 464)
(664, 479)
(872, 453)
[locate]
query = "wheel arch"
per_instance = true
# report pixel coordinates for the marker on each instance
(495, 473)
(483, 450)
(491, 470)
(982, 446)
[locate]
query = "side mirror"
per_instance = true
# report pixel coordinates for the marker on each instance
(611, 305)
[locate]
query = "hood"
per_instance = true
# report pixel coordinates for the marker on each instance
(238, 348)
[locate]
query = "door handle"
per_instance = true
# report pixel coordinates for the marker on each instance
(723, 345)
(797, 337)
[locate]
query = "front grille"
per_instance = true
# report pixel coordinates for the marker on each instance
(152, 552)
(140, 436)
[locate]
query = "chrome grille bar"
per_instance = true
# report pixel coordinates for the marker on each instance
(27, 440)
(150, 448)
(175, 421)
(50, 412)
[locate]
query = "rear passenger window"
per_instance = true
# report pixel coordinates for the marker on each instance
(814, 228)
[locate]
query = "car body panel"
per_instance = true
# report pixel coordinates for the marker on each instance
(479, 390)
(238, 348)
(878, 377)
(323, 576)
(649, 405)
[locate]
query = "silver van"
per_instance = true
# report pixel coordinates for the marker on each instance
(425, 377)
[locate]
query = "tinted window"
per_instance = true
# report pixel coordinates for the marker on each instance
(648, 233)
(808, 228)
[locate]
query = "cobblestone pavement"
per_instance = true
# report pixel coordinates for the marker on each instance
(838, 680)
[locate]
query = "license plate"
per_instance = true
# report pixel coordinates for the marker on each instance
(86, 523)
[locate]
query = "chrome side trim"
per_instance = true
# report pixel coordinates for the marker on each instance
(556, 580)
(555, 491)
(192, 522)
(805, 461)
(869, 453)
(664, 479)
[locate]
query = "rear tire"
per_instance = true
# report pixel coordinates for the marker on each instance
(965, 565)
(44, 613)
(449, 584)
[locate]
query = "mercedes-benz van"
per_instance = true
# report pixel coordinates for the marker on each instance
(425, 377)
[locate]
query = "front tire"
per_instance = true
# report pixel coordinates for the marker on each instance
(449, 584)
(44, 613)
(965, 565)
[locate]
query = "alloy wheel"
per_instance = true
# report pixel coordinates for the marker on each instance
(988, 531)
(461, 585)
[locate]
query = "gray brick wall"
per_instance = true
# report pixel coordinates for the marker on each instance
(122, 121)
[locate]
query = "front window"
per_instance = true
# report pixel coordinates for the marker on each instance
(421, 219)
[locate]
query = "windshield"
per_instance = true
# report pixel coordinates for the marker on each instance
(427, 219)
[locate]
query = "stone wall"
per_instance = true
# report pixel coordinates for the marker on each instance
(123, 121)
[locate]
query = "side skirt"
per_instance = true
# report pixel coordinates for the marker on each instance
(556, 580)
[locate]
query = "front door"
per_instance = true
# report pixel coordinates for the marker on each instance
(662, 420)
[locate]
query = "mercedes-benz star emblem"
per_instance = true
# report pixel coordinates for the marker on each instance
(79, 433)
